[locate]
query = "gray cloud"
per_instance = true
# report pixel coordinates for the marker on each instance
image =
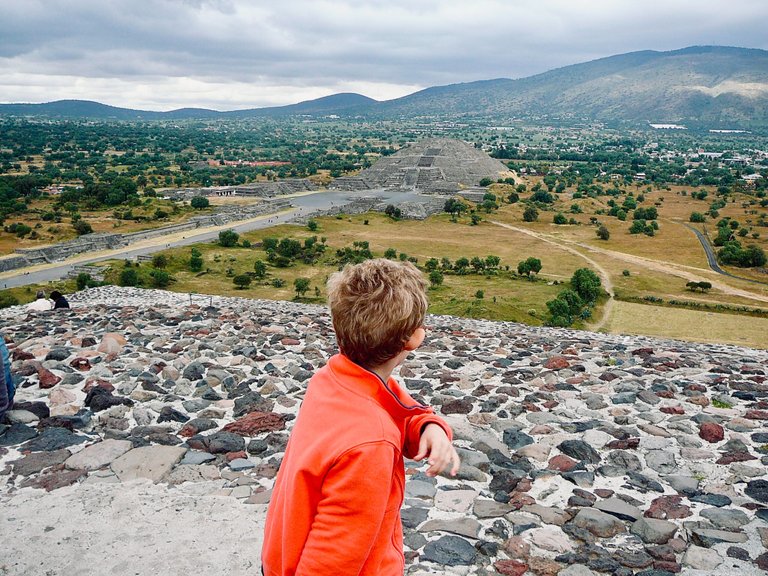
(227, 54)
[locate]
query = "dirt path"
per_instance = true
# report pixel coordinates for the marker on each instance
(688, 273)
(605, 278)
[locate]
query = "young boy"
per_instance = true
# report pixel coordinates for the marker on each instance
(335, 507)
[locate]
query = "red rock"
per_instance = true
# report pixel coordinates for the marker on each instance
(290, 342)
(604, 492)
(672, 410)
(112, 343)
(524, 485)
(549, 404)
(235, 455)
(762, 561)
(696, 388)
(668, 508)
(531, 407)
(669, 566)
(89, 384)
(519, 499)
(756, 415)
(541, 429)
(730, 457)
(608, 377)
(561, 463)
(47, 378)
(517, 547)
(628, 444)
(510, 567)
(665, 394)
(711, 432)
(544, 566)
(81, 364)
(19, 354)
(57, 478)
(255, 423)
(699, 400)
(556, 363)
(643, 352)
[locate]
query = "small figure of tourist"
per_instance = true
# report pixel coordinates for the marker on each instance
(7, 388)
(40, 303)
(58, 300)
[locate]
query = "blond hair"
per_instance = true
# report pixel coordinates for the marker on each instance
(376, 306)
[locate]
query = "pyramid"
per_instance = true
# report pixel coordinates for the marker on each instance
(438, 165)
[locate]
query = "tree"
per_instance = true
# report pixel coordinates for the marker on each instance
(129, 277)
(312, 225)
(586, 284)
(228, 238)
(513, 198)
(159, 261)
(697, 217)
(435, 278)
(530, 214)
(484, 182)
(242, 281)
(200, 202)
(560, 218)
(83, 280)
(475, 220)
(603, 233)
(259, 269)
(542, 196)
(528, 266)
(461, 265)
(390, 253)
(82, 227)
(160, 278)
(301, 285)
(479, 294)
(393, 212)
(454, 207)
(432, 264)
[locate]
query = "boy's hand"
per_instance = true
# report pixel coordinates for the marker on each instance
(435, 444)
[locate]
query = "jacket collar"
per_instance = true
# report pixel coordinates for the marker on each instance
(390, 395)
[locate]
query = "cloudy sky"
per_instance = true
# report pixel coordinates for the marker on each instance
(232, 54)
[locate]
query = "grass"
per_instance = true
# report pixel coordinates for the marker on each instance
(632, 318)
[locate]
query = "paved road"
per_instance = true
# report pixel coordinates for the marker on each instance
(303, 205)
(712, 259)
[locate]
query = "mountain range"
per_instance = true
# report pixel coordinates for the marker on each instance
(711, 86)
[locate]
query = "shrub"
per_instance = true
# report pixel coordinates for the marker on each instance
(7, 299)
(603, 233)
(390, 253)
(625, 272)
(159, 261)
(228, 238)
(479, 294)
(560, 219)
(696, 217)
(312, 225)
(435, 278)
(83, 281)
(82, 227)
(301, 285)
(278, 282)
(129, 277)
(530, 214)
(160, 278)
(200, 202)
(259, 269)
(242, 281)
(586, 284)
(528, 266)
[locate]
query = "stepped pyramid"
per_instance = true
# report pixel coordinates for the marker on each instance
(438, 165)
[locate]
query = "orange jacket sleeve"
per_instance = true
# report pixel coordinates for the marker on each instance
(350, 512)
(413, 428)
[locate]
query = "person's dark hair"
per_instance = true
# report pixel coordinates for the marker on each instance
(55, 295)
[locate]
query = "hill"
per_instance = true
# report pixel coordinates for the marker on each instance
(713, 85)
(701, 85)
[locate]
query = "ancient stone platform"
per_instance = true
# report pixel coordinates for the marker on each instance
(582, 453)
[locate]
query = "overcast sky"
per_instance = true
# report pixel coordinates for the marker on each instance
(233, 54)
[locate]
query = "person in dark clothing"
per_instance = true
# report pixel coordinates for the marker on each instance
(58, 300)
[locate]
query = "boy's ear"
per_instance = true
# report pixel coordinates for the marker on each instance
(416, 339)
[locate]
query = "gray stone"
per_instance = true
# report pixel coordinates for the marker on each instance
(239, 464)
(707, 538)
(450, 551)
(701, 558)
(653, 531)
(16, 434)
(468, 527)
(685, 485)
(21, 417)
(413, 516)
(419, 489)
(490, 508)
(619, 508)
(151, 462)
(663, 461)
(98, 455)
(579, 450)
(54, 439)
(515, 439)
(599, 523)
(195, 457)
(724, 518)
(37, 461)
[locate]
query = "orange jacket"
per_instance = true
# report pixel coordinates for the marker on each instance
(335, 507)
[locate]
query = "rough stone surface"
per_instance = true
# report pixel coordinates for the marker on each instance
(151, 462)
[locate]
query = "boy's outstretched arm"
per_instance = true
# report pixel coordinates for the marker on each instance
(435, 445)
(354, 502)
